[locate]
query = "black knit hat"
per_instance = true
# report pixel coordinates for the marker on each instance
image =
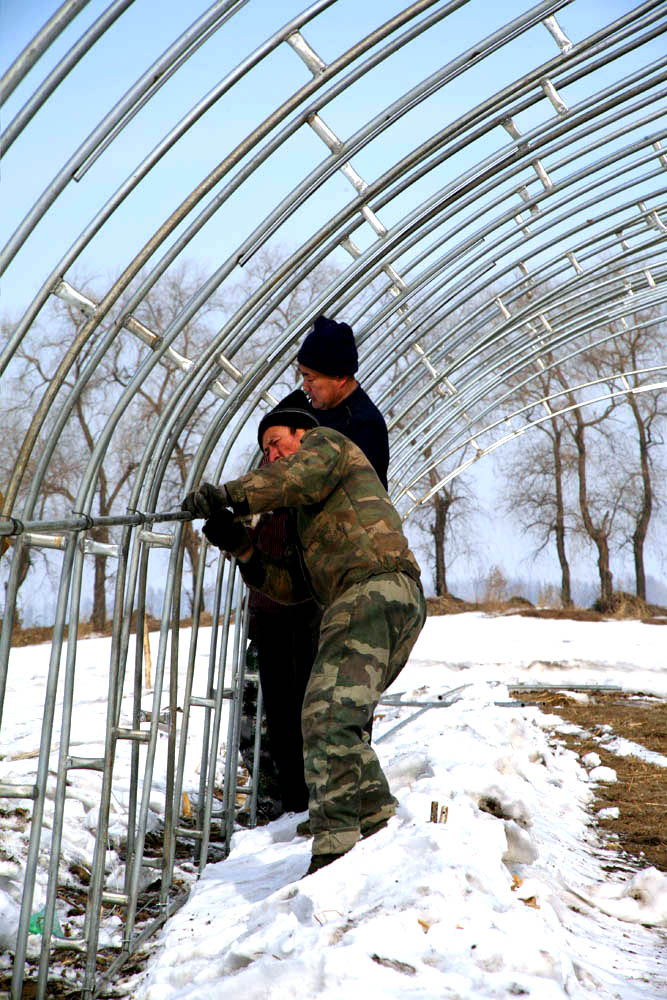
(329, 348)
(292, 411)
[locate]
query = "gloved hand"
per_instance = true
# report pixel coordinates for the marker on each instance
(227, 533)
(207, 501)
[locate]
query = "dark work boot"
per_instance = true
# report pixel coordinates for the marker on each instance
(318, 861)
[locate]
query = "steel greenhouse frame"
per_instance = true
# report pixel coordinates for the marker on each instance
(572, 210)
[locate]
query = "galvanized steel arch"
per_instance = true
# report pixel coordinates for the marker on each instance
(472, 295)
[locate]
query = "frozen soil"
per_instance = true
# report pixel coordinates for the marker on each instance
(640, 794)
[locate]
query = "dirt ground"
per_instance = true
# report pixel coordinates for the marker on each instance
(641, 790)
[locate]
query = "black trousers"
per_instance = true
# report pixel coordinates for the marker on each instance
(286, 644)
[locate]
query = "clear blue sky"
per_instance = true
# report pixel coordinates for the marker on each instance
(140, 36)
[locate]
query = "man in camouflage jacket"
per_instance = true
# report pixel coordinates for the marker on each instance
(350, 553)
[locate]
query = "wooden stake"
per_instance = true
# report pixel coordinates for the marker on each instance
(434, 812)
(148, 666)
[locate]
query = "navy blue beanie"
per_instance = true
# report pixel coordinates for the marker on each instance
(329, 348)
(292, 411)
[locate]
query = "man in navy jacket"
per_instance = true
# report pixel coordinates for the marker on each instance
(328, 363)
(285, 639)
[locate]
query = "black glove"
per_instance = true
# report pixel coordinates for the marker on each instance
(207, 501)
(227, 533)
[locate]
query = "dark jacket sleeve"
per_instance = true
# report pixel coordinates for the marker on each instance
(281, 580)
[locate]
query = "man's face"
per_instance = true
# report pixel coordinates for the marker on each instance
(279, 442)
(324, 391)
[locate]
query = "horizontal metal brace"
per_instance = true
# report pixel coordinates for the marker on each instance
(503, 308)
(156, 539)
(115, 898)
(63, 290)
(378, 228)
(357, 182)
(138, 735)
(152, 862)
(351, 247)
(322, 130)
(574, 262)
(657, 145)
(74, 298)
(551, 92)
(511, 128)
(185, 831)
(657, 222)
(69, 944)
(556, 32)
(518, 218)
(90, 547)
(210, 702)
(18, 791)
(316, 65)
(93, 548)
(202, 702)
(85, 763)
(652, 217)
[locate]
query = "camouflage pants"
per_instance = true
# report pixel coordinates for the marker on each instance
(365, 639)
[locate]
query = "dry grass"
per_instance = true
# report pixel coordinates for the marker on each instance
(626, 606)
(37, 634)
(640, 793)
(623, 609)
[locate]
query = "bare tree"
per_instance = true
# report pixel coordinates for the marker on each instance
(535, 492)
(287, 310)
(444, 524)
(34, 365)
(638, 347)
(585, 442)
(599, 496)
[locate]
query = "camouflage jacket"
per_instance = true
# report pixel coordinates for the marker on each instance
(347, 527)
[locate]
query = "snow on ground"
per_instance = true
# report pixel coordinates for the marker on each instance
(508, 896)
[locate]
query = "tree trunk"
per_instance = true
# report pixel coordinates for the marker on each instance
(597, 535)
(559, 528)
(441, 504)
(99, 615)
(644, 516)
(192, 545)
(25, 562)
(606, 581)
(98, 618)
